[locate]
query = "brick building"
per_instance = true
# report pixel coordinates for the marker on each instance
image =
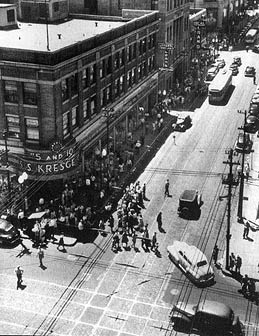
(57, 80)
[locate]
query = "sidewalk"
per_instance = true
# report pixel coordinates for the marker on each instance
(248, 249)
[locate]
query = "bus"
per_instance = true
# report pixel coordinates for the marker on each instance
(251, 36)
(219, 86)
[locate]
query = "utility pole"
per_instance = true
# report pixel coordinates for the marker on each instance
(230, 181)
(241, 188)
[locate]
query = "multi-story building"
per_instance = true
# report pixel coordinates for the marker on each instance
(62, 84)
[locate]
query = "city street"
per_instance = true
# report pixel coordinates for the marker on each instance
(90, 290)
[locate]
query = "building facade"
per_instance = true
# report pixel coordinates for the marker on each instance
(64, 104)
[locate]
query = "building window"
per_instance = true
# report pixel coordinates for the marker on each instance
(122, 57)
(75, 117)
(85, 109)
(117, 87)
(10, 15)
(85, 78)
(66, 124)
(109, 65)
(93, 105)
(121, 83)
(10, 92)
(32, 129)
(92, 75)
(102, 69)
(56, 6)
(13, 126)
(30, 93)
(74, 84)
(64, 89)
(43, 10)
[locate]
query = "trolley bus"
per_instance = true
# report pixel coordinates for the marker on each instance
(251, 36)
(219, 86)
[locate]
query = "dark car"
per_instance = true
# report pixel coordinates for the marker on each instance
(251, 124)
(189, 204)
(206, 318)
(256, 48)
(182, 124)
(249, 71)
(234, 68)
(243, 143)
(254, 109)
(8, 233)
(237, 60)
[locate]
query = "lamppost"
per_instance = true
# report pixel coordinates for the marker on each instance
(5, 134)
(241, 188)
(21, 179)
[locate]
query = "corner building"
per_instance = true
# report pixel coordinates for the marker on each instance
(72, 89)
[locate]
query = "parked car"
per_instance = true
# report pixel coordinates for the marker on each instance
(251, 124)
(220, 62)
(192, 262)
(189, 204)
(211, 73)
(237, 60)
(249, 71)
(243, 143)
(254, 109)
(8, 233)
(256, 48)
(207, 318)
(234, 68)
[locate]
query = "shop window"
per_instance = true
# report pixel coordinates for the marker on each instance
(10, 92)
(64, 89)
(66, 123)
(32, 129)
(13, 126)
(74, 84)
(75, 117)
(92, 74)
(56, 6)
(30, 93)
(85, 78)
(10, 15)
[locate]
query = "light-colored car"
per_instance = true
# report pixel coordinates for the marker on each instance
(243, 143)
(192, 262)
(211, 73)
(220, 62)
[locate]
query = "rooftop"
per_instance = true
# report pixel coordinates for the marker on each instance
(30, 36)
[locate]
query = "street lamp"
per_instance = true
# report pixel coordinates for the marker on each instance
(21, 179)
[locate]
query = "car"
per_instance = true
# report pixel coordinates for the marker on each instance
(182, 124)
(251, 124)
(220, 62)
(234, 68)
(192, 262)
(256, 48)
(250, 71)
(190, 202)
(211, 73)
(254, 109)
(206, 318)
(243, 143)
(237, 60)
(8, 233)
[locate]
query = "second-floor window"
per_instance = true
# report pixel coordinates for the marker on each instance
(10, 92)
(30, 93)
(13, 126)
(75, 117)
(32, 129)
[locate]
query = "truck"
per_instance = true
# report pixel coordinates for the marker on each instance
(206, 318)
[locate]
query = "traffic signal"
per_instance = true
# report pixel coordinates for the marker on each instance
(166, 58)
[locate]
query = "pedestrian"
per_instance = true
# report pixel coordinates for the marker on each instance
(159, 221)
(232, 261)
(153, 242)
(247, 48)
(40, 255)
(167, 184)
(254, 78)
(111, 222)
(124, 240)
(115, 241)
(247, 170)
(144, 192)
(215, 254)
(143, 241)
(134, 240)
(246, 230)
(251, 288)
(244, 283)
(61, 242)
(174, 139)
(19, 272)
(238, 264)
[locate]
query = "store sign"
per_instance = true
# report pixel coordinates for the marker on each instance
(48, 162)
